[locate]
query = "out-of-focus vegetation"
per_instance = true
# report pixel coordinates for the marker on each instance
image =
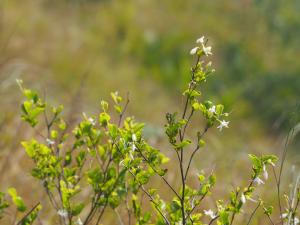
(78, 51)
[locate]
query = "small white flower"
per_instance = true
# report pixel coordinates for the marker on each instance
(212, 109)
(258, 181)
(210, 213)
(50, 142)
(92, 121)
(62, 213)
(200, 40)
(284, 215)
(194, 50)
(79, 222)
(134, 138)
(207, 50)
(243, 198)
(223, 123)
(296, 221)
(265, 173)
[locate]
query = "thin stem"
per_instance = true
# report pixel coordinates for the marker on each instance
(119, 217)
(194, 152)
(27, 214)
(102, 212)
(123, 111)
(270, 219)
(151, 199)
(163, 178)
(181, 137)
(212, 220)
(253, 213)
(278, 179)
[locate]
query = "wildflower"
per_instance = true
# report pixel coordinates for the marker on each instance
(210, 213)
(284, 215)
(194, 50)
(79, 222)
(200, 40)
(296, 220)
(243, 198)
(50, 142)
(223, 123)
(207, 50)
(92, 121)
(212, 109)
(265, 173)
(62, 213)
(258, 181)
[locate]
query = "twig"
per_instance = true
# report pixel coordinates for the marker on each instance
(253, 213)
(27, 214)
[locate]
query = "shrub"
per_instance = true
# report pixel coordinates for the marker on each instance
(113, 161)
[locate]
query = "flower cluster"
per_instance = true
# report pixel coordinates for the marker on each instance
(201, 48)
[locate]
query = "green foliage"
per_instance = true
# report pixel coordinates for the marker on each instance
(17, 200)
(111, 160)
(32, 216)
(3, 204)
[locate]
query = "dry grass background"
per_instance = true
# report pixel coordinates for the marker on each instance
(76, 54)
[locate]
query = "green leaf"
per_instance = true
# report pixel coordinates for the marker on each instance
(104, 119)
(183, 144)
(76, 209)
(17, 200)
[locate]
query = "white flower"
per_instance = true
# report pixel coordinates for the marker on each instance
(50, 142)
(92, 121)
(62, 213)
(223, 123)
(243, 198)
(79, 222)
(207, 50)
(296, 221)
(194, 50)
(210, 213)
(258, 181)
(284, 215)
(265, 173)
(200, 40)
(212, 109)
(134, 137)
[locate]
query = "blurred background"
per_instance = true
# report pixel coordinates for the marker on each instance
(76, 52)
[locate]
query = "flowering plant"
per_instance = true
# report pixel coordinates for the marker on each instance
(114, 163)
